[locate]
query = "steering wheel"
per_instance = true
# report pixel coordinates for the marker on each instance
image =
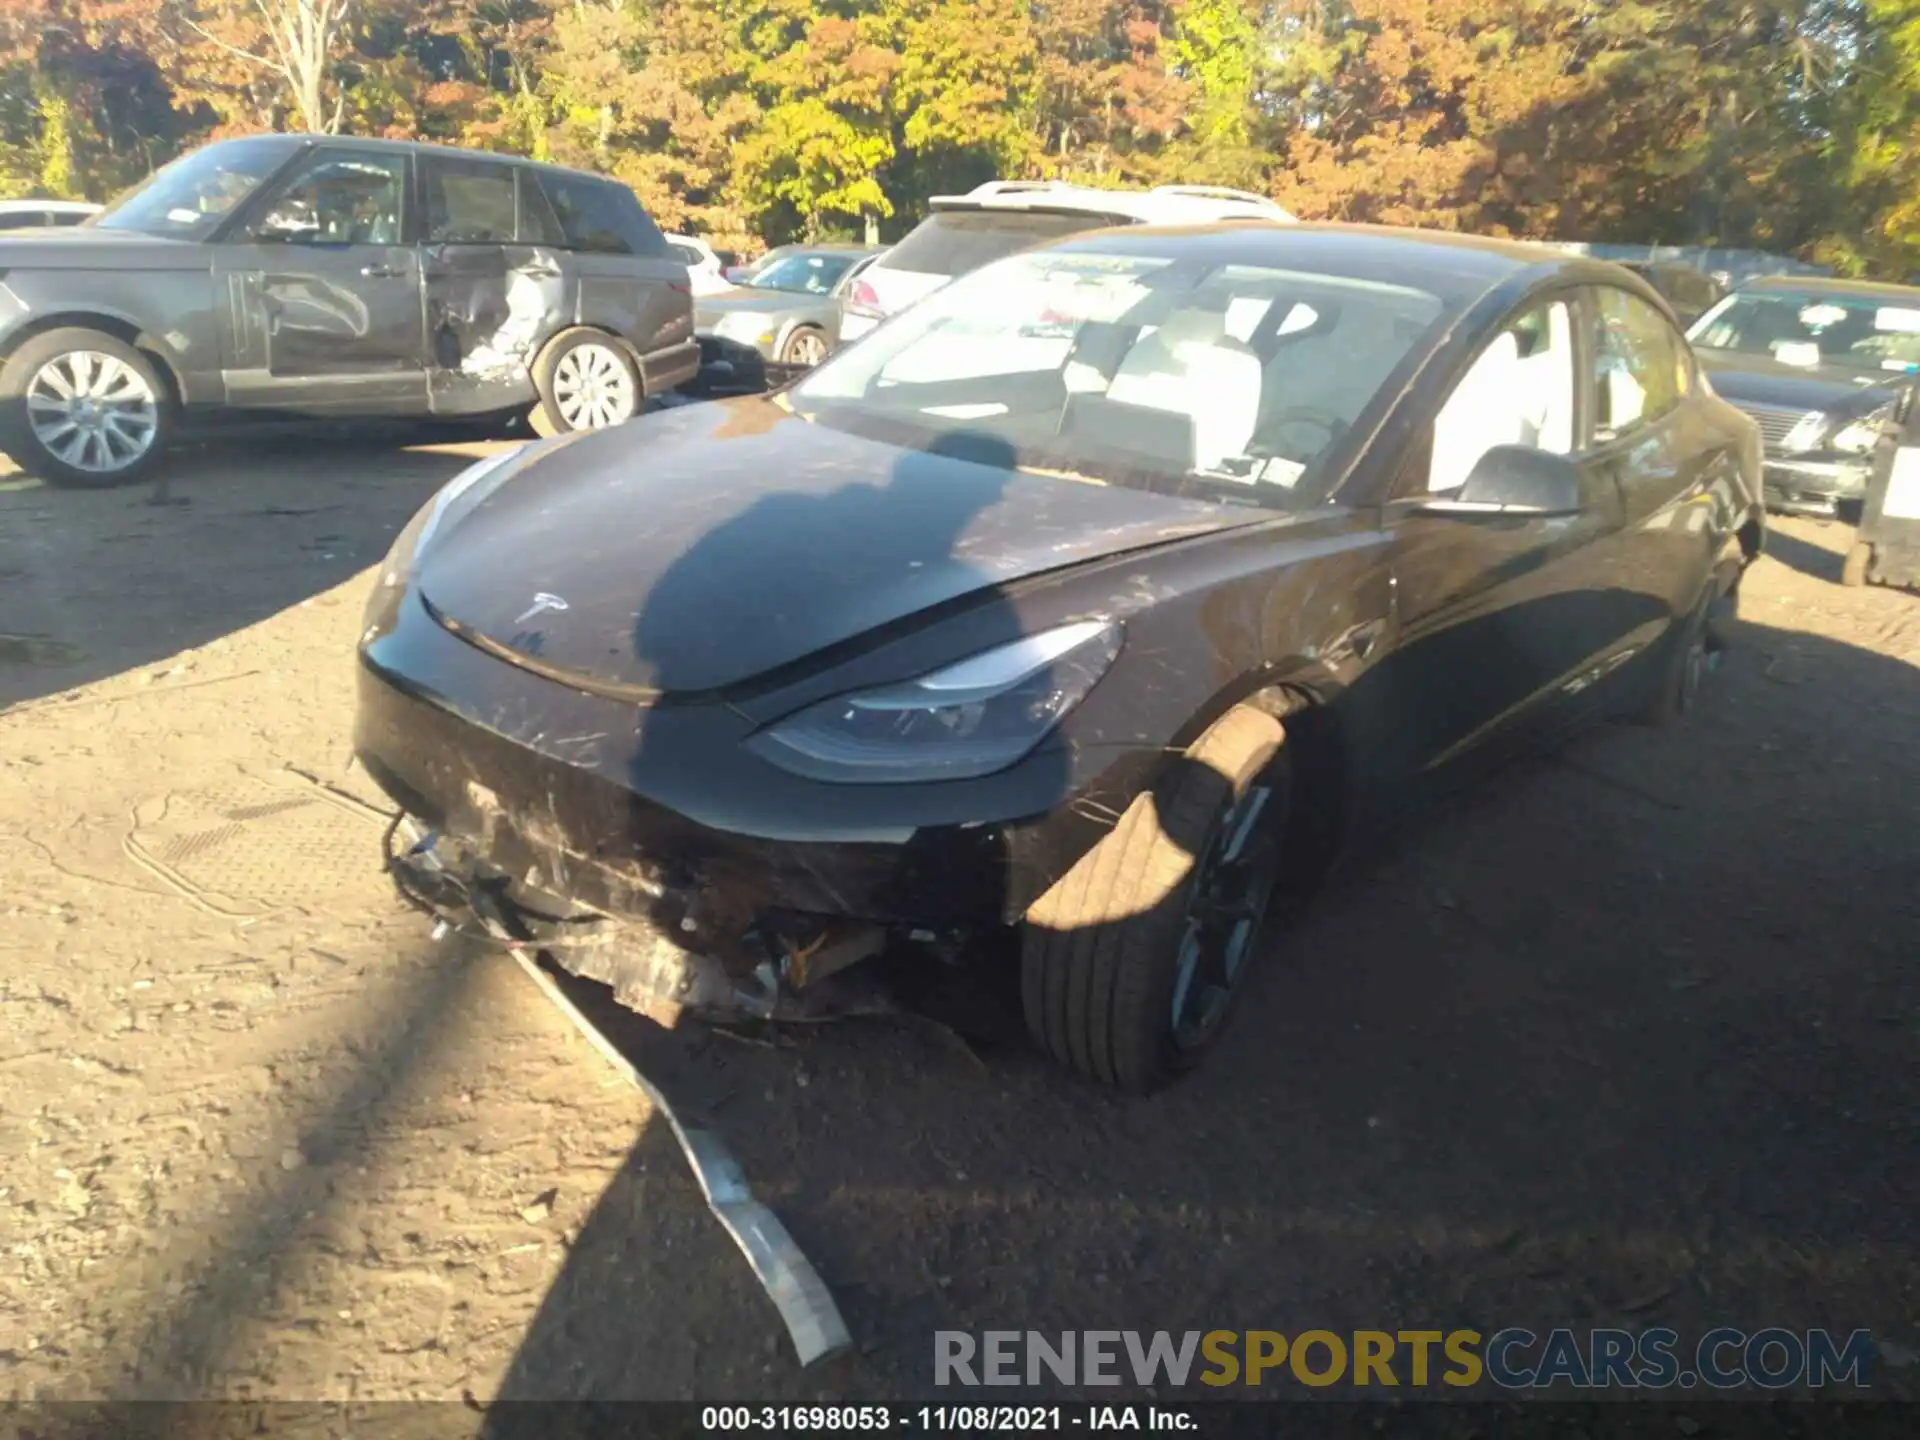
(1312, 415)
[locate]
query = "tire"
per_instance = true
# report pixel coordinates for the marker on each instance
(1685, 660)
(82, 409)
(1853, 570)
(1103, 951)
(805, 348)
(587, 381)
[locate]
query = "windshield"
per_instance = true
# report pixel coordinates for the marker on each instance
(1816, 328)
(952, 242)
(1229, 383)
(189, 198)
(807, 274)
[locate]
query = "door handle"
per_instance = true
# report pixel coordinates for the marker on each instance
(379, 272)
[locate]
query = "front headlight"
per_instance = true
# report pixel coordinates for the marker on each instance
(1858, 437)
(969, 719)
(744, 326)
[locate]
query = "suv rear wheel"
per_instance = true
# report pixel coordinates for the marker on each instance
(587, 381)
(81, 408)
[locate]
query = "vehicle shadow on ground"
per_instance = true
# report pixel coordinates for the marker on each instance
(93, 583)
(1808, 557)
(1623, 1037)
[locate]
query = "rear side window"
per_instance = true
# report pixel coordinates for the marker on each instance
(66, 217)
(602, 217)
(952, 242)
(686, 253)
(1641, 365)
(469, 202)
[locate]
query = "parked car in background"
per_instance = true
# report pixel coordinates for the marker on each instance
(1689, 291)
(704, 267)
(964, 232)
(785, 316)
(318, 275)
(1095, 596)
(1828, 369)
(39, 214)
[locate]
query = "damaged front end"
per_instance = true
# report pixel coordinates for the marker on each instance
(698, 952)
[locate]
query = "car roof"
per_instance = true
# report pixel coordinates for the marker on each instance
(1165, 204)
(1828, 285)
(1457, 268)
(424, 147)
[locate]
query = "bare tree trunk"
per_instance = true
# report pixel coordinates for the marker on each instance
(306, 34)
(303, 37)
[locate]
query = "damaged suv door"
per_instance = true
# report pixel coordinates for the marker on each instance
(496, 290)
(319, 285)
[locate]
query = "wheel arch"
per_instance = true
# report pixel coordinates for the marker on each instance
(121, 327)
(793, 327)
(1302, 695)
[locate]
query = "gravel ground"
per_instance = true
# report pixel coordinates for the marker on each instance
(1627, 1037)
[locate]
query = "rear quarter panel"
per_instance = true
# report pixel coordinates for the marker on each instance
(642, 298)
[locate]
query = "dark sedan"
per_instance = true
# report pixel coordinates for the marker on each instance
(1828, 369)
(1095, 596)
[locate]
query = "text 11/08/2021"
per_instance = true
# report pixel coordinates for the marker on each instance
(938, 1419)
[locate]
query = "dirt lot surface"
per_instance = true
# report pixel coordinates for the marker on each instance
(1629, 1037)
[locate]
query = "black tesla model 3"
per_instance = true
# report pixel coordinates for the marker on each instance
(1089, 599)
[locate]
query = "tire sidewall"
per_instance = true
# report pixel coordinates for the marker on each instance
(1669, 704)
(563, 345)
(16, 433)
(804, 332)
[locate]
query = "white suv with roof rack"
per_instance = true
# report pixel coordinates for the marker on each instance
(964, 232)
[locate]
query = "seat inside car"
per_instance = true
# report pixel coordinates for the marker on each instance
(1191, 365)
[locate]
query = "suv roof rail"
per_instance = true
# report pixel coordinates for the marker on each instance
(1215, 192)
(1013, 187)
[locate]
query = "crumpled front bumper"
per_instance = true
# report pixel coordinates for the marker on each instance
(614, 808)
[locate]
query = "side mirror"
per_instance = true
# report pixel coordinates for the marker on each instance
(1515, 480)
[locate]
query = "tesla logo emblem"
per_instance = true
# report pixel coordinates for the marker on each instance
(542, 603)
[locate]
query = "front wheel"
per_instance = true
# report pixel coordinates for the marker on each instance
(587, 381)
(1131, 964)
(81, 408)
(805, 348)
(1686, 658)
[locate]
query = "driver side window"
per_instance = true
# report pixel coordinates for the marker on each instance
(1519, 391)
(338, 198)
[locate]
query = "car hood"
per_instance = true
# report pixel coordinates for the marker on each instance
(704, 546)
(1758, 380)
(83, 247)
(744, 300)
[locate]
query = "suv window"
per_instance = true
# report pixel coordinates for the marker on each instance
(1641, 368)
(66, 217)
(1520, 391)
(687, 253)
(952, 242)
(339, 197)
(602, 217)
(468, 202)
